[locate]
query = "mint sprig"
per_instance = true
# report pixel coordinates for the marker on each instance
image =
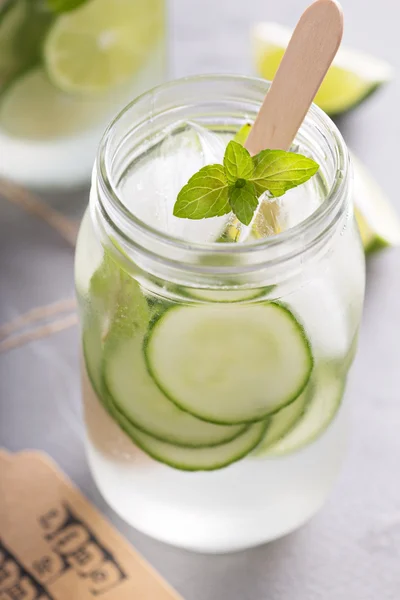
(237, 185)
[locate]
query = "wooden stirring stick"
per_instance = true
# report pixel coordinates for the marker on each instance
(310, 52)
(309, 55)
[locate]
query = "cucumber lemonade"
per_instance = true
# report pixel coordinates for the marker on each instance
(214, 367)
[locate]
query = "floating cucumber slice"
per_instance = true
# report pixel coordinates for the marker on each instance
(115, 298)
(283, 421)
(229, 364)
(187, 459)
(116, 295)
(225, 295)
(326, 392)
(93, 354)
(142, 402)
(117, 354)
(195, 459)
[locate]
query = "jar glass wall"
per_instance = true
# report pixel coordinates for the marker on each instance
(214, 374)
(66, 68)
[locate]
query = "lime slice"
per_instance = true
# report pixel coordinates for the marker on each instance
(377, 220)
(352, 77)
(102, 44)
(33, 108)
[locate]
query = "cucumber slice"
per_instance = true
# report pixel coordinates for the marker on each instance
(195, 459)
(93, 356)
(283, 421)
(326, 392)
(142, 402)
(123, 369)
(117, 305)
(229, 364)
(186, 459)
(225, 295)
(118, 298)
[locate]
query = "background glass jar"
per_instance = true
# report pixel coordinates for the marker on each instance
(66, 67)
(139, 287)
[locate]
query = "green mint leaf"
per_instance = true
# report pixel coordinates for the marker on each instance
(243, 200)
(277, 171)
(243, 133)
(240, 182)
(237, 162)
(205, 195)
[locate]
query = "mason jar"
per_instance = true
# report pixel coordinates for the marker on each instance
(66, 68)
(214, 373)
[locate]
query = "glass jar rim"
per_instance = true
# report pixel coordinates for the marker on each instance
(114, 209)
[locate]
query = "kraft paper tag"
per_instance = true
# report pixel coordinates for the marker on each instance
(54, 545)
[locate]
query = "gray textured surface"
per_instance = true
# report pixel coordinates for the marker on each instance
(351, 549)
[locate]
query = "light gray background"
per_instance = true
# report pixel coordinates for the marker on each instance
(351, 550)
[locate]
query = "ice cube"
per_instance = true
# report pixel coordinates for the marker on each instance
(212, 146)
(150, 189)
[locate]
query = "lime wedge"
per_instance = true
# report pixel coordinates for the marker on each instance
(102, 44)
(378, 222)
(33, 108)
(352, 77)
